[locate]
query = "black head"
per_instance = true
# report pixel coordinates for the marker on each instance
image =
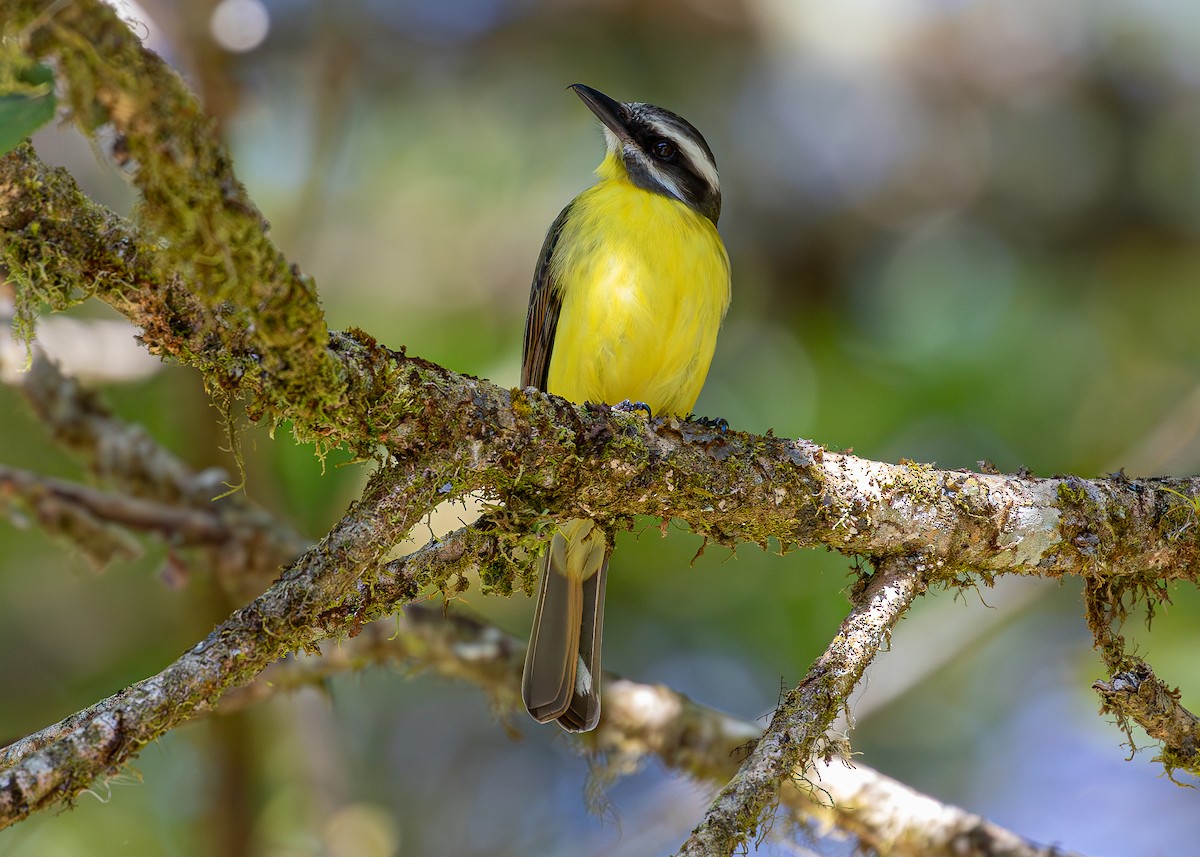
(661, 152)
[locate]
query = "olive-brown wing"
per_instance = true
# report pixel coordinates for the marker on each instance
(545, 303)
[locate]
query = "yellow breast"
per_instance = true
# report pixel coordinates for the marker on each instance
(645, 285)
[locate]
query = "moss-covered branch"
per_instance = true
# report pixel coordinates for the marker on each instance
(331, 590)
(1133, 691)
(1137, 694)
(453, 434)
(807, 712)
(644, 722)
(504, 443)
(260, 310)
(731, 486)
(200, 277)
(539, 453)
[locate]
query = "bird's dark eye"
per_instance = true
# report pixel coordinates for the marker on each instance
(664, 150)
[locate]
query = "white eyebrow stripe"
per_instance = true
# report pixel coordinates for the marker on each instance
(692, 150)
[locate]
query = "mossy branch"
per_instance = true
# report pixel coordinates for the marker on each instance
(1133, 692)
(645, 722)
(200, 277)
(805, 714)
(447, 434)
(534, 450)
(331, 590)
(537, 452)
(259, 307)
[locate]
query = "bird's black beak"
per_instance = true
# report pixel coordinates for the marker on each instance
(613, 114)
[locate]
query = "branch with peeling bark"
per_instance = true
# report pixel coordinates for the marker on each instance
(202, 280)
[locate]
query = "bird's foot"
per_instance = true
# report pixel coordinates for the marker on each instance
(718, 423)
(626, 406)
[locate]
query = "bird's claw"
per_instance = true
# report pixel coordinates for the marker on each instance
(626, 406)
(718, 423)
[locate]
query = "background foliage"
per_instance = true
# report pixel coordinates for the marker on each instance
(960, 231)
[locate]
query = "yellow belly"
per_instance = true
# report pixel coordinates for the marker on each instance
(645, 285)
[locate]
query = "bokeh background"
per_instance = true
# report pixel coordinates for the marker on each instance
(961, 230)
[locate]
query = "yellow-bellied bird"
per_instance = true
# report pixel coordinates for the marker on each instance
(627, 298)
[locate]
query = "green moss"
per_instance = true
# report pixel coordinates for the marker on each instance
(520, 403)
(519, 541)
(1179, 520)
(256, 328)
(1073, 493)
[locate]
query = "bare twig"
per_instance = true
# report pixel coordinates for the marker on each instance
(90, 519)
(421, 637)
(118, 453)
(81, 514)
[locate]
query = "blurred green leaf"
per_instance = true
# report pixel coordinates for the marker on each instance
(26, 103)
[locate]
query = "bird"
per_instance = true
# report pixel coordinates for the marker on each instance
(628, 295)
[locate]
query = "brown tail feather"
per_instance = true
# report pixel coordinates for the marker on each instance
(562, 667)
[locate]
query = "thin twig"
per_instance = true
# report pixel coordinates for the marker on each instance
(1133, 691)
(186, 526)
(806, 712)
